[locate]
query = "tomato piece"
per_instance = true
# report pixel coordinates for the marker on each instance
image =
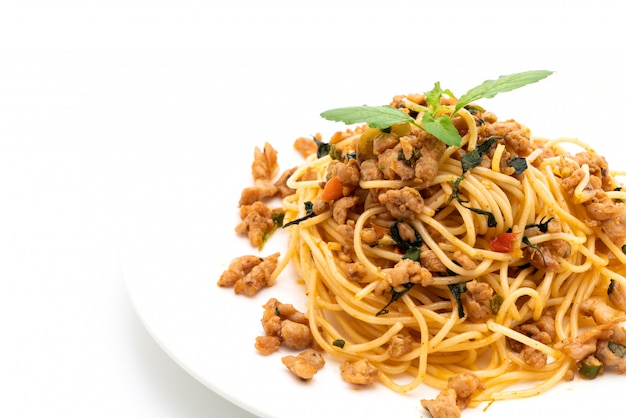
(503, 243)
(333, 190)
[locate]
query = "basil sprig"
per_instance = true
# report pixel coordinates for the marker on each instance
(433, 121)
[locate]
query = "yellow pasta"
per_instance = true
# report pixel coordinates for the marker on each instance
(538, 245)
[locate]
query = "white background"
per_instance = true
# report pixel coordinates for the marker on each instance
(90, 90)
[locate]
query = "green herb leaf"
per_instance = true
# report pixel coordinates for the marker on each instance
(433, 97)
(381, 117)
(542, 225)
(308, 208)
(458, 289)
(473, 159)
(322, 148)
(490, 88)
(395, 295)
(339, 343)
(519, 164)
(441, 128)
(611, 287)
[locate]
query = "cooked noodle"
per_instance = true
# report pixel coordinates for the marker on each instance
(445, 345)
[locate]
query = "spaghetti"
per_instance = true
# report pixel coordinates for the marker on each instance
(501, 257)
(453, 224)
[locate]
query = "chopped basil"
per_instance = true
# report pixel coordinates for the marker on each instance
(519, 164)
(611, 287)
(542, 225)
(339, 343)
(308, 207)
(323, 149)
(473, 159)
(457, 290)
(395, 295)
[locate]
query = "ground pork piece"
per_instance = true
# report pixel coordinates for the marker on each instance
(615, 228)
(347, 173)
(295, 335)
(267, 344)
(305, 364)
(392, 167)
(237, 269)
(342, 206)
(384, 143)
(547, 254)
(476, 300)
(465, 385)
(265, 164)
(429, 260)
(427, 165)
(609, 358)
(256, 222)
(402, 204)
(248, 274)
(284, 311)
(409, 271)
(305, 146)
(281, 183)
(617, 295)
(464, 260)
(399, 345)
(370, 171)
(585, 343)
(360, 372)
(533, 357)
(517, 137)
(262, 189)
(600, 310)
(355, 272)
(598, 167)
(443, 406)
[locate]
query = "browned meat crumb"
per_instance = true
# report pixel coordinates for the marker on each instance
(267, 344)
(342, 206)
(248, 274)
(399, 345)
(360, 372)
(450, 401)
(476, 300)
(443, 406)
(285, 324)
(305, 146)
(402, 204)
(600, 310)
(409, 271)
(281, 183)
(256, 222)
(305, 365)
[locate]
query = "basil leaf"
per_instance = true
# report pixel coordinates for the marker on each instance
(308, 208)
(490, 88)
(457, 289)
(381, 117)
(442, 128)
(473, 159)
(519, 164)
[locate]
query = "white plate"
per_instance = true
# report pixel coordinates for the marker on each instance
(180, 211)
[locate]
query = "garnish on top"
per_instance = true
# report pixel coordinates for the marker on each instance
(436, 117)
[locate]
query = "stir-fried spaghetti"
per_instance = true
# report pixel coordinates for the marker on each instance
(500, 258)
